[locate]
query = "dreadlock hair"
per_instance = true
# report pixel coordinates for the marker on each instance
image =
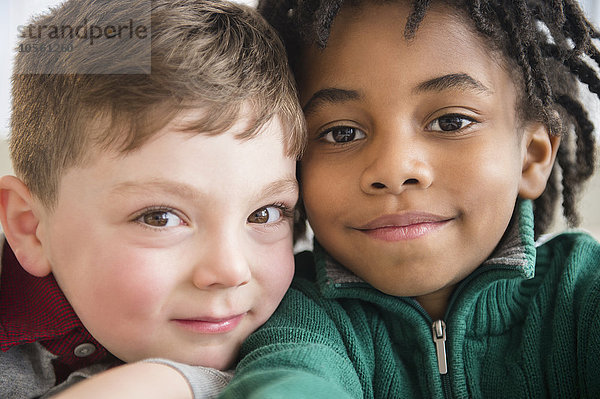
(548, 42)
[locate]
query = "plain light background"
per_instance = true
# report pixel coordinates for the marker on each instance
(17, 12)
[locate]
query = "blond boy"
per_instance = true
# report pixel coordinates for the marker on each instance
(151, 212)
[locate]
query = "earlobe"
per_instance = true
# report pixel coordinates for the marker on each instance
(20, 225)
(540, 152)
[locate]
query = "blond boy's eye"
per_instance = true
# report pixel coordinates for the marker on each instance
(160, 219)
(264, 215)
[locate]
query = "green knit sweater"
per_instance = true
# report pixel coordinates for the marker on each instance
(525, 324)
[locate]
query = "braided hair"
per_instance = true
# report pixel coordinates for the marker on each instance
(551, 45)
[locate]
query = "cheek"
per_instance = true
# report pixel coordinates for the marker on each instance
(143, 276)
(490, 173)
(326, 187)
(122, 288)
(485, 196)
(274, 271)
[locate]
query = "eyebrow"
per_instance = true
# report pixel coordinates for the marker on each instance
(166, 186)
(329, 95)
(285, 185)
(460, 81)
(282, 186)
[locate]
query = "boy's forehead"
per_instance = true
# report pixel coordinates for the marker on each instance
(190, 165)
(130, 132)
(434, 52)
(241, 120)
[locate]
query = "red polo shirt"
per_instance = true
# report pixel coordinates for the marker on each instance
(34, 309)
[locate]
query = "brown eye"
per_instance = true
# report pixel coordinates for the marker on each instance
(343, 134)
(267, 214)
(451, 122)
(160, 219)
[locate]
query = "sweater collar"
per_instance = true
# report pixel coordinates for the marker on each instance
(34, 309)
(515, 254)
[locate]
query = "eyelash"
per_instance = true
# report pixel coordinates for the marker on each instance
(287, 213)
(155, 209)
(356, 131)
(453, 115)
(322, 135)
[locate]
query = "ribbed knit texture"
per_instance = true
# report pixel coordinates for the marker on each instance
(525, 324)
(34, 309)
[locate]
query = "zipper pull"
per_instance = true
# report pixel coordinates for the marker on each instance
(439, 338)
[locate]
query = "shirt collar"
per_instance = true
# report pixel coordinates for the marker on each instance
(515, 253)
(34, 309)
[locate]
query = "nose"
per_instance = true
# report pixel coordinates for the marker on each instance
(222, 265)
(394, 163)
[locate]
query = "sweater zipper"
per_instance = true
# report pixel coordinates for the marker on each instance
(438, 329)
(439, 338)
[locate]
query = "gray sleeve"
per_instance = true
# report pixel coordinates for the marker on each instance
(205, 382)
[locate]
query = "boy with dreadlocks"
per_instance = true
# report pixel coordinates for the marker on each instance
(430, 169)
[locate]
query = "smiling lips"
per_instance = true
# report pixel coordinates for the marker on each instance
(406, 226)
(210, 325)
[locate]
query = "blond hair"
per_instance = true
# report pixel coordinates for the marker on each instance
(210, 54)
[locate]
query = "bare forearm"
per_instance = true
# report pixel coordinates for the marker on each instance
(130, 381)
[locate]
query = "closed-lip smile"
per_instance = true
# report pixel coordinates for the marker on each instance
(210, 325)
(403, 226)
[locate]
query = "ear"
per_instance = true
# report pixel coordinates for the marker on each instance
(540, 152)
(20, 224)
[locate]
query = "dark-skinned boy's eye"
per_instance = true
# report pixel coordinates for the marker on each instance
(450, 123)
(342, 134)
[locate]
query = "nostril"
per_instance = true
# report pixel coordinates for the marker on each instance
(378, 185)
(411, 181)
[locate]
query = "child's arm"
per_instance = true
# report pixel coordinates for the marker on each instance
(298, 353)
(133, 380)
(155, 378)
